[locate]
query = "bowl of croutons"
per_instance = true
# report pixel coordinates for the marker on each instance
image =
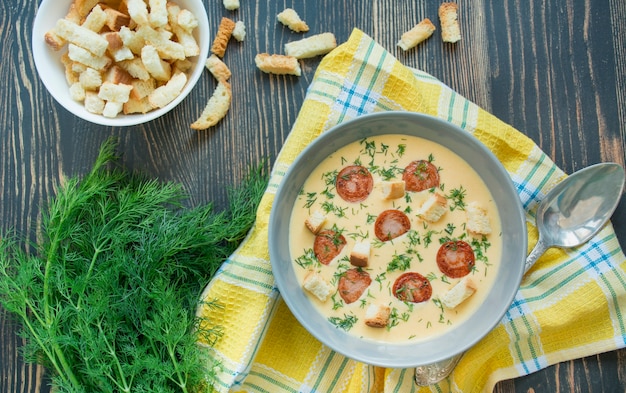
(397, 239)
(120, 62)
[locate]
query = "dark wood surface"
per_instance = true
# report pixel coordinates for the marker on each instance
(554, 70)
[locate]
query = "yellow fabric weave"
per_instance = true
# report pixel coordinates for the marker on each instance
(570, 305)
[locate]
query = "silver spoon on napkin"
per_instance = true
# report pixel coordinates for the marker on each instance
(569, 215)
(577, 208)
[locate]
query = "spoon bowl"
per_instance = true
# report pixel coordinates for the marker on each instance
(577, 208)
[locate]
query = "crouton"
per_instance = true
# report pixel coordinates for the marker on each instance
(377, 315)
(124, 53)
(216, 108)
(188, 42)
(165, 94)
(183, 35)
(117, 74)
(54, 41)
(81, 37)
(419, 33)
(187, 20)
(477, 219)
(93, 103)
(96, 19)
(112, 109)
(138, 11)
(77, 92)
(315, 221)
(459, 293)
(131, 40)
(290, 18)
(90, 79)
(239, 32)
(360, 254)
(134, 105)
(167, 49)
(158, 13)
(115, 19)
(231, 5)
(83, 7)
(70, 75)
(182, 65)
(392, 189)
(135, 68)
(448, 16)
(278, 64)
(83, 56)
(114, 92)
(217, 68)
(158, 68)
(224, 31)
(433, 208)
(142, 88)
(315, 45)
(317, 286)
(114, 39)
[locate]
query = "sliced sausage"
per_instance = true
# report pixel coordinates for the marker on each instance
(327, 245)
(412, 287)
(391, 224)
(352, 284)
(354, 183)
(420, 175)
(455, 258)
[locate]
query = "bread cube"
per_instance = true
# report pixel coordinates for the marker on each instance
(433, 208)
(360, 254)
(317, 286)
(377, 315)
(459, 293)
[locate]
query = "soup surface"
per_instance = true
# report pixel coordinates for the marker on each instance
(394, 238)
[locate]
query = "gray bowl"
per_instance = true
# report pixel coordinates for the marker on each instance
(514, 237)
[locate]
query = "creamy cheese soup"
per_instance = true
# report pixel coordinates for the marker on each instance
(408, 199)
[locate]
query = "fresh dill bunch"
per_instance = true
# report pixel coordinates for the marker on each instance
(107, 298)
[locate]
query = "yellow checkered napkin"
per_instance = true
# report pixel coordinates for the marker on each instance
(570, 305)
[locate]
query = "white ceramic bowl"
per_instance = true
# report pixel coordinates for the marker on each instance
(52, 73)
(514, 237)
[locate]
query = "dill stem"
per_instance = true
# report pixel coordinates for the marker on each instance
(120, 372)
(65, 367)
(49, 354)
(96, 253)
(182, 383)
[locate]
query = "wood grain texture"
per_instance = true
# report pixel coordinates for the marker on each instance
(556, 71)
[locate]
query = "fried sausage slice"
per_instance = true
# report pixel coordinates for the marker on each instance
(455, 258)
(354, 183)
(327, 245)
(420, 175)
(391, 224)
(352, 284)
(412, 287)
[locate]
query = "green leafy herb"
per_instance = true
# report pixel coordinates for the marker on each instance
(107, 298)
(307, 259)
(399, 262)
(346, 323)
(457, 198)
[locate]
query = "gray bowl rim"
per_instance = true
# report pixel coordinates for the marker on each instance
(405, 354)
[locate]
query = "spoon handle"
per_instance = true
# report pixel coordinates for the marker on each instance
(537, 251)
(435, 372)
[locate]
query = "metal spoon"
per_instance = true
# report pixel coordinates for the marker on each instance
(569, 215)
(577, 208)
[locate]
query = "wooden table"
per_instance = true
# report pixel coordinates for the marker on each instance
(554, 70)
